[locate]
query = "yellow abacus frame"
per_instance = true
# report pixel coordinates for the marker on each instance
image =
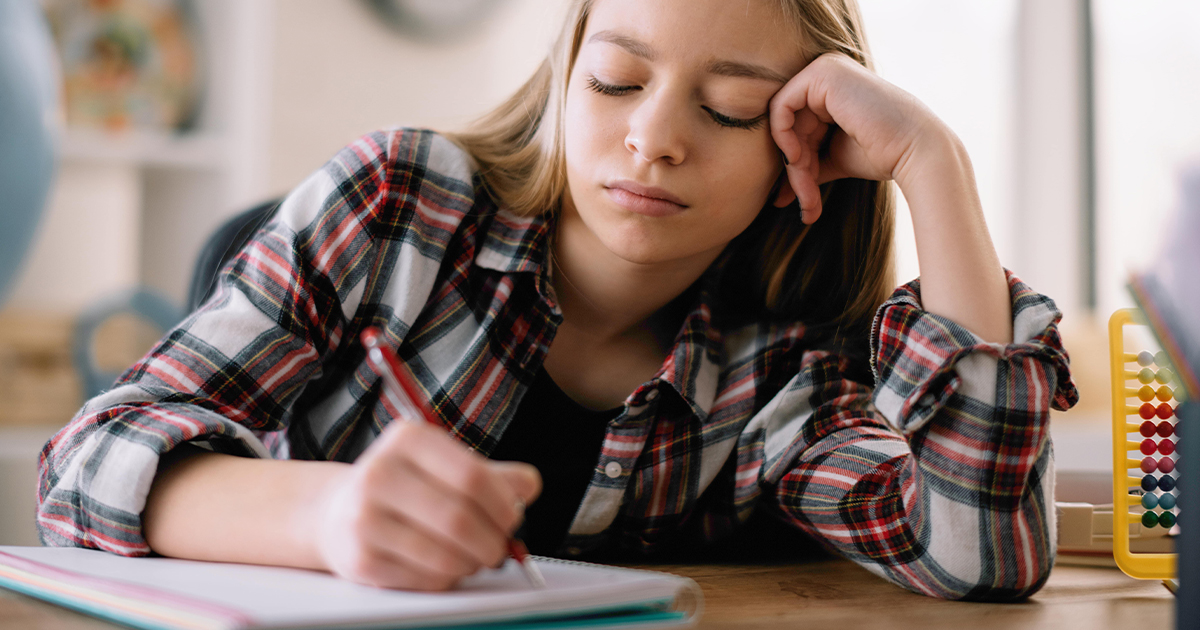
(1155, 566)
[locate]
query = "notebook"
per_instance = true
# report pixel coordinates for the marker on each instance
(168, 593)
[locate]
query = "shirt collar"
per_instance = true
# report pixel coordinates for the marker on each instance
(518, 244)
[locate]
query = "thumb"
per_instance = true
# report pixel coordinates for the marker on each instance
(523, 478)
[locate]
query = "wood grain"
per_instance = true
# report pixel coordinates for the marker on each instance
(817, 594)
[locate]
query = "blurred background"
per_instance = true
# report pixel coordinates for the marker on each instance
(1078, 114)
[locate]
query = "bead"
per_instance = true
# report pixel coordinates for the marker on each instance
(1164, 376)
(1146, 411)
(1166, 464)
(1147, 428)
(1168, 519)
(1165, 429)
(1149, 501)
(1148, 446)
(1164, 393)
(1145, 359)
(1149, 519)
(1149, 483)
(1163, 411)
(1162, 359)
(1145, 393)
(1166, 447)
(1167, 483)
(1167, 501)
(1145, 376)
(1149, 465)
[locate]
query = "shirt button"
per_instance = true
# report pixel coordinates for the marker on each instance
(926, 400)
(612, 469)
(652, 394)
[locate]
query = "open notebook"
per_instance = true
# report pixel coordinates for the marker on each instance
(169, 593)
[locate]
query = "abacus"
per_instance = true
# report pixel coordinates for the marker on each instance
(1144, 448)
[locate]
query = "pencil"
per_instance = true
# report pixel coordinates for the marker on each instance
(411, 402)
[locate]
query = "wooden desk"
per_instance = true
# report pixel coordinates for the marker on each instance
(832, 594)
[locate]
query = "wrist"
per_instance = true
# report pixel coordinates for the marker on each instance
(935, 153)
(306, 519)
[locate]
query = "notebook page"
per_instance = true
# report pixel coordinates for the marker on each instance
(272, 597)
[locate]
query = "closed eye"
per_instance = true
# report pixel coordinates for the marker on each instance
(600, 87)
(596, 85)
(737, 123)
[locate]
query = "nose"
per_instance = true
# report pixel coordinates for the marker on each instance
(655, 131)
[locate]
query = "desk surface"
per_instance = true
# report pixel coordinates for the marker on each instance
(829, 595)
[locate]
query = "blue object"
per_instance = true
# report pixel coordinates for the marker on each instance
(1167, 501)
(1149, 501)
(29, 105)
(1187, 609)
(142, 303)
(1167, 483)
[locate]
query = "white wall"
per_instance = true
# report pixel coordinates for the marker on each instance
(1148, 128)
(339, 73)
(957, 57)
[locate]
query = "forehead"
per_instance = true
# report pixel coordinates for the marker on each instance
(700, 30)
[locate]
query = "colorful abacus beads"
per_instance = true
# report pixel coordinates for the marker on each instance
(1166, 483)
(1158, 435)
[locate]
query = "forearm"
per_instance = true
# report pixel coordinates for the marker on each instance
(861, 494)
(210, 506)
(961, 276)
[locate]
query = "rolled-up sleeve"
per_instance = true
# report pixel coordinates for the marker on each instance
(940, 478)
(227, 377)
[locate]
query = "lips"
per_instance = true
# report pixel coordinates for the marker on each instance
(646, 191)
(644, 200)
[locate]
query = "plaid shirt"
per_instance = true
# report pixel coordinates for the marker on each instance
(940, 478)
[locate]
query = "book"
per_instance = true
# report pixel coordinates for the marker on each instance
(167, 593)
(1168, 292)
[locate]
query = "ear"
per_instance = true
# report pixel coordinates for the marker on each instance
(786, 195)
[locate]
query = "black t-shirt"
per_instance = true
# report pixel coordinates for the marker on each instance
(562, 439)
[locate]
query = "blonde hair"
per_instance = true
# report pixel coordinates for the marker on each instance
(834, 272)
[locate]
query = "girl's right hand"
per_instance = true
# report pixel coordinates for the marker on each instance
(419, 511)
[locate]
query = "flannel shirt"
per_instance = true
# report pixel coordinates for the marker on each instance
(939, 478)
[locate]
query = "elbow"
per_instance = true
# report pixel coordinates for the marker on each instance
(937, 584)
(1014, 590)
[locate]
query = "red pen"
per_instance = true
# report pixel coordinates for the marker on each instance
(409, 399)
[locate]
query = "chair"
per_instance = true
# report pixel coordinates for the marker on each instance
(155, 309)
(226, 242)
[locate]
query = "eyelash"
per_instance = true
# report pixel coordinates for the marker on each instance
(600, 87)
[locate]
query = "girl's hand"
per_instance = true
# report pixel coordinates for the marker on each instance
(418, 511)
(878, 126)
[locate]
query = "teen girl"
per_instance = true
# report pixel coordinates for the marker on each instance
(660, 274)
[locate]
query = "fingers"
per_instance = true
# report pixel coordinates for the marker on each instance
(394, 554)
(463, 474)
(524, 479)
(455, 522)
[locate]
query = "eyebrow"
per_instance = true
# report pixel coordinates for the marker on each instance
(723, 68)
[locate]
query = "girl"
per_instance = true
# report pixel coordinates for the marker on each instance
(659, 275)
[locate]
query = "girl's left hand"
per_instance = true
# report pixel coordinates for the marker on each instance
(878, 127)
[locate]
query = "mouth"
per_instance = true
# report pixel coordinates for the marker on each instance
(645, 200)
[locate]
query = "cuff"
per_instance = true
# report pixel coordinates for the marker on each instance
(920, 359)
(98, 499)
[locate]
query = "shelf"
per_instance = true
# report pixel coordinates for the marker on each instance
(202, 151)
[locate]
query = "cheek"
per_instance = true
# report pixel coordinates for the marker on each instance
(746, 174)
(588, 124)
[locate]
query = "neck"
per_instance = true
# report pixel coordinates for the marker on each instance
(606, 297)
